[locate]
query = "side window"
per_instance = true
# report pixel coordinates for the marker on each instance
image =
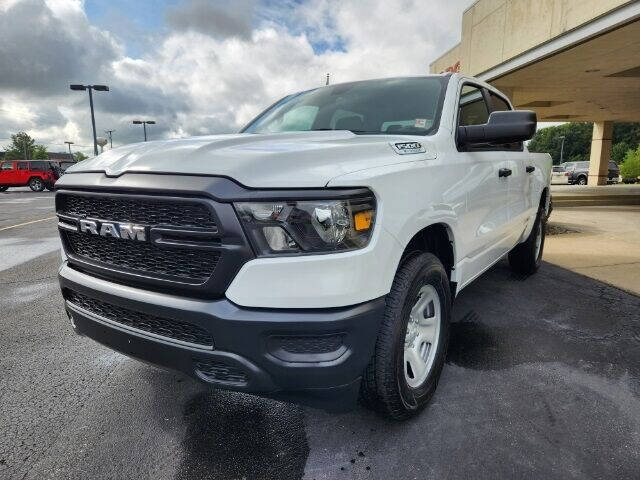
(499, 103)
(23, 166)
(472, 109)
(7, 166)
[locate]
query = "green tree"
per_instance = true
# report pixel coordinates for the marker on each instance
(619, 151)
(630, 167)
(628, 133)
(21, 147)
(577, 141)
(40, 153)
(79, 156)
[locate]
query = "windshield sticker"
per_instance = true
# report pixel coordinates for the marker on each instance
(420, 123)
(404, 148)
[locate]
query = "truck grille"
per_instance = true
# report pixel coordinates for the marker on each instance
(148, 212)
(183, 258)
(165, 327)
(187, 264)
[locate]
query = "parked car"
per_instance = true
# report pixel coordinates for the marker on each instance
(559, 176)
(579, 172)
(314, 256)
(37, 174)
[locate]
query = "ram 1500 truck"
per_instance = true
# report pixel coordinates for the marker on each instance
(314, 256)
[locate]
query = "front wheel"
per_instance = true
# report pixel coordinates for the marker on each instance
(36, 184)
(582, 181)
(3, 189)
(412, 343)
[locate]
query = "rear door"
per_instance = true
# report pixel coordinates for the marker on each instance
(485, 223)
(22, 173)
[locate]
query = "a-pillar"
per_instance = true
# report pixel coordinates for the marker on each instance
(600, 153)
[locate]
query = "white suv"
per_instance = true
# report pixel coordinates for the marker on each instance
(314, 256)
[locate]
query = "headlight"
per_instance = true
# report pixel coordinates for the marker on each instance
(309, 226)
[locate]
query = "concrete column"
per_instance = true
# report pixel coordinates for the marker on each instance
(600, 153)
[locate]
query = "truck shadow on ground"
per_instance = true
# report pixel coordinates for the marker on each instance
(501, 323)
(233, 435)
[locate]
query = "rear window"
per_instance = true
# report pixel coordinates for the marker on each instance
(558, 169)
(40, 166)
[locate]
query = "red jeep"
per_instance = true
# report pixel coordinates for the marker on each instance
(38, 174)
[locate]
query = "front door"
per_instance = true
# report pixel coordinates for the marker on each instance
(486, 221)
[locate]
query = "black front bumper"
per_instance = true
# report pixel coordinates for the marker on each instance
(310, 356)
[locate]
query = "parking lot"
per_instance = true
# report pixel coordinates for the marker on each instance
(542, 381)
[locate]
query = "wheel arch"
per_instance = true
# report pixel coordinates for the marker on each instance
(437, 238)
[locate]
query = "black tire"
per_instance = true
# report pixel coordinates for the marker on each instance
(526, 257)
(3, 189)
(582, 180)
(36, 184)
(384, 385)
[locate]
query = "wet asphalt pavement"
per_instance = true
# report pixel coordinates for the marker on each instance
(542, 381)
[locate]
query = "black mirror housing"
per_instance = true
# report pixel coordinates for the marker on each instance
(503, 127)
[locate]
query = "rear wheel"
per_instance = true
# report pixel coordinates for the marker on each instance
(582, 180)
(3, 189)
(412, 343)
(527, 256)
(36, 184)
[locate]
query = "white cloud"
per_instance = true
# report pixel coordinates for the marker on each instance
(197, 81)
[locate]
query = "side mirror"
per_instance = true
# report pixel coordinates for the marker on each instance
(502, 127)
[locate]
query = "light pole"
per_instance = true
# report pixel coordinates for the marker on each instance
(109, 132)
(99, 88)
(144, 124)
(69, 144)
(561, 148)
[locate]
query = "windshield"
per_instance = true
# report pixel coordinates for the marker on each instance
(405, 106)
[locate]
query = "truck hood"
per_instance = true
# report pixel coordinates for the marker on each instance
(300, 159)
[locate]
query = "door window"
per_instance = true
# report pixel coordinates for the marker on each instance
(472, 109)
(23, 166)
(499, 103)
(7, 166)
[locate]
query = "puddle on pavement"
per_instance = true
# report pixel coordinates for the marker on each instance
(232, 435)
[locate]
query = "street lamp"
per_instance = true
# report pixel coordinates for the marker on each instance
(69, 144)
(99, 88)
(144, 124)
(561, 147)
(109, 132)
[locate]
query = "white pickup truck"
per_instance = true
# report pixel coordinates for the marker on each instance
(314, 256)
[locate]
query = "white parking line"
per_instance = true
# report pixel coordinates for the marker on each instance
(26, 223)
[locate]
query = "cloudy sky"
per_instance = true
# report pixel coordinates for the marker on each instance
(197, 66)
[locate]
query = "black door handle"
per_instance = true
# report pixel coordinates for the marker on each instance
(530, 169)
(504, 172)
